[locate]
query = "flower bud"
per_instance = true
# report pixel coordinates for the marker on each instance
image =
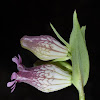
(46, 78)
(45, 47)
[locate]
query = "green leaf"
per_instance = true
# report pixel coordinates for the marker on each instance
(83, 28)
(58, 35)
(80, 58)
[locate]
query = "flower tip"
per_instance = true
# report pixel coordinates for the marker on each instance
(24, 41)
(15, 60)
(9, 84)
(12, 84)
(25, 37)
(14, 75)
(20, 59)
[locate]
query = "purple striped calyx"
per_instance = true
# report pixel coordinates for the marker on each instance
(45, 47)
(46, 78)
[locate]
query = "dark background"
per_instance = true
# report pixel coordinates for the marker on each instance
(32, 17)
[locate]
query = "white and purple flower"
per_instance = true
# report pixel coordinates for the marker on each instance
(46, 78)
(45, 47)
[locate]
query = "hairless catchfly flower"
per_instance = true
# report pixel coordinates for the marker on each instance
(45, 47)
(46, 77)
(54, 72)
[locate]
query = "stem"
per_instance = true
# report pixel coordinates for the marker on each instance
(81, 93)
(66, 65)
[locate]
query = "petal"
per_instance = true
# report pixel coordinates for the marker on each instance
(15, 59)
(13, 87)
(9, 84)
(14, 75)
(18, 61)
(45, 47)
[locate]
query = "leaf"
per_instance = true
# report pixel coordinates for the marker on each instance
(80, 58)
(58, 35)
(83, 28)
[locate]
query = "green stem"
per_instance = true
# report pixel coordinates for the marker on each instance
(81, 96)
(66, 64)
(81, 93)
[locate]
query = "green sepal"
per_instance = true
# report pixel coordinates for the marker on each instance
(62, 64)
(61, 59)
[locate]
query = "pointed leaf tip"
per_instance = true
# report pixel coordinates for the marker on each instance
(58, 35)
(75, 14)
(75, 21)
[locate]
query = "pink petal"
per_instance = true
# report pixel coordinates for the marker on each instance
(20, 59)
(9, 84)
(20, 66)
(15, 59)
(13, 88)
(13, 85)
(14, 75)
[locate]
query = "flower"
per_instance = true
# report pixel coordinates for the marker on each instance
(45, 47)
(46, 78)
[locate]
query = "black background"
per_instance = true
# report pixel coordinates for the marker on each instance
(32, 17)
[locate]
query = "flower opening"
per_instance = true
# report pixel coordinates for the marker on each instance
(46, 78)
